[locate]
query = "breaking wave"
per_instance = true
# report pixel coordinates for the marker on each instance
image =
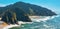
(43, 19)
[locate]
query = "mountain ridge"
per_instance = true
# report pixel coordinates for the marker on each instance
(21, 11)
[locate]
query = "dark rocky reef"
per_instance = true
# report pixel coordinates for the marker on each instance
(20, 11)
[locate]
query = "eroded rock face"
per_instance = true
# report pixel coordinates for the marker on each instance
(13, 16)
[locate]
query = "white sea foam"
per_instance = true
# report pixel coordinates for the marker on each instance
(33, 19)
(44, 18)
(41, 19)
(10, 26)
(20, 22)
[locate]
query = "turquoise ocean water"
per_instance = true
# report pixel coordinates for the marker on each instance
(53, 23)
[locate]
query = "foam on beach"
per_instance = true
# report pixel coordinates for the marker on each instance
(42, 18)
(38, 19)
(10, 26)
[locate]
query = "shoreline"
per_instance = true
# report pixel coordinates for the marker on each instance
(33, 19)
(11, 26)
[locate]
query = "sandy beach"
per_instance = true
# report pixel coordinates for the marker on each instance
(3, 25)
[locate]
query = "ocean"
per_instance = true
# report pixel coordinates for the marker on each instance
(50, 23)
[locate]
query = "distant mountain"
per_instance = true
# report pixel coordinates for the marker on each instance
(20, 11)
(30, 9)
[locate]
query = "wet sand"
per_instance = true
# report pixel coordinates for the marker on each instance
(3, 25)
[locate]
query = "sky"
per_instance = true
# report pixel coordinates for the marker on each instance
(53, 5)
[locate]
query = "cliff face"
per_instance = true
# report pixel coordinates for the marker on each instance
(13, 16)
(20, 12)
